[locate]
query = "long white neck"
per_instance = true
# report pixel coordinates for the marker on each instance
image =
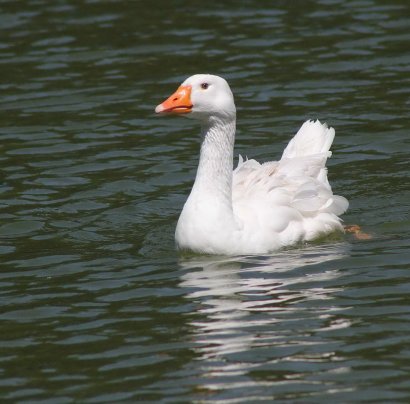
(214, 175)
(207, 220)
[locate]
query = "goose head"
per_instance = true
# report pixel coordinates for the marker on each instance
(203, 97)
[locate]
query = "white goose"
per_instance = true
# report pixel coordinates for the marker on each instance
(257, 208)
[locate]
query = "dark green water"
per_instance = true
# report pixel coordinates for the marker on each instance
(96, 305)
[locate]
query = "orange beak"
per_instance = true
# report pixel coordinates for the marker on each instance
(177, 103)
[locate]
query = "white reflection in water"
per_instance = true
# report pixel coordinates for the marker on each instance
(248, 302)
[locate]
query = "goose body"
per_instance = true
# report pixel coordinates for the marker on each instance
(255, 208)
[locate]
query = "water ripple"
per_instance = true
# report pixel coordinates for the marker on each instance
(96, 305)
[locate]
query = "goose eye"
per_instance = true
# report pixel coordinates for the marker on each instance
(204, 86)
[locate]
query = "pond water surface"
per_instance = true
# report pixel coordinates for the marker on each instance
(96, 304)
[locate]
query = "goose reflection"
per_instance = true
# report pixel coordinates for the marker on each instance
(247, 302)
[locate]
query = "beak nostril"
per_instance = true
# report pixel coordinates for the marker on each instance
(175, 99)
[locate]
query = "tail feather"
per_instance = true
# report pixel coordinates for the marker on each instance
(305, 157)
(312, 138)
